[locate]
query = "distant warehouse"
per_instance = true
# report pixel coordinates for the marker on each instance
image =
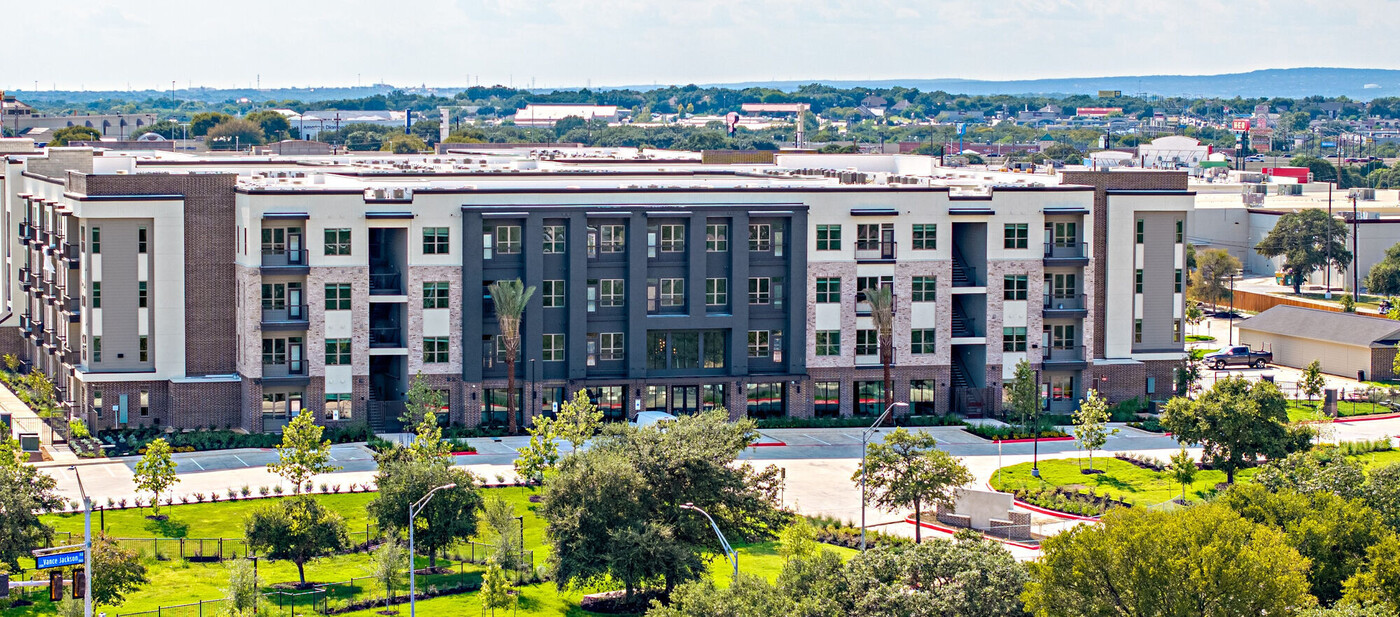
(1345, 344)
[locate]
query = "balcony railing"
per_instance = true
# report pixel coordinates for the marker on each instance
(290, 368)
(284, 258)
(386, 284)
(291, 313)
(26, 324)
(1064, 354)
(389, 337)
(73, 307)
(26, 232)
(1071, 302)
(1068, 250)
(25, 282)
(70, 253)
(875, 250)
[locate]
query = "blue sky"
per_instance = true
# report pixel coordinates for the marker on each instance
(108, 44)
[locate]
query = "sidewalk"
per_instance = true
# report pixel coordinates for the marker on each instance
(24, 420)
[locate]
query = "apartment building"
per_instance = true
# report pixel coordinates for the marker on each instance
(236, 291)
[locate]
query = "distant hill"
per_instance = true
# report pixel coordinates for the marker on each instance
(1357, 84)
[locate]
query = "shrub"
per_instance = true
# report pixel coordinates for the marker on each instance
(244, 491)
(1364, 446)
(1124, 411)
(1151, 425)
(199, 497)
(987, 431)
(263, 491)
(277, 489)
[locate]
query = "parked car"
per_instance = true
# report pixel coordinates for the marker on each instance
(1239, 355)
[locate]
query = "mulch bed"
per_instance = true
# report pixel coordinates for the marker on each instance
(613, 603)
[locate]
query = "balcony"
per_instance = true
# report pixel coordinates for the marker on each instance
(26, 233)
(25, 282)
(1072, 305)
(56, 293)
(386, 337)
(70, 254)
(875, 251)
(386, 284)
(285, 261)
(73, 307)
(285, 372)
(286, 317)
(1067, 254)
(1064, 358)
(26, 325)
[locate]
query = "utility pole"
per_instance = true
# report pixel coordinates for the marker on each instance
(1328, 269)
(1355, 272)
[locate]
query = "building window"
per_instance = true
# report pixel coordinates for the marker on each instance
(143, 400)
(759, 344)
(867, 342)
(436, 295)
(610, 292)
(337, 241)
(1141, 231)
(142, 295)
(1015, 236)
(925, 236)
(1013, 339)
(97, 294)
(1178, 280)
(1062, 388)
(493, 412)
(716, 292)
(553, 348)
(1014, 287)
(554, 236)
(274, 295)
(672, 292)
(1062, 336)
(923, 341)
(1065, 234)
(507, 239)
(610, 346)
(767, 400)
(828, 290)
(338, 296)
(672, 238)
(1176, 330)
(337, 351)
(339, 406)
(96, 349)
(921, 397)
(759, 290)
(760, 237)
(435, 350)
(826, 399)
(141, 240)
(96, 240)
(1137, 330)
(1137, 280)
(828, 237)
(717, 238)
(1062, 285)
(436, 241)
(1180, 231)
(828, 342)
(685, 349)
(552, 293)
(924, 289)
(870, 398)
(610, 401)
(143, 344)
(612, 238)
(97, 402)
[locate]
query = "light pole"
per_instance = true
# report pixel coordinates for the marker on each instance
(729, 552)
(1232, 307)
(87, 544)
(413, 511)
(865, 439)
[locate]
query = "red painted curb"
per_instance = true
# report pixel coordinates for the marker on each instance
(949, 530)
(1347, 420)
(767, 445)
(1064, 515)
(464, 453)
(1065, 438)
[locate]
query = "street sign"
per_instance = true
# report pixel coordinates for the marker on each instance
(58, 560)
(1329, 144)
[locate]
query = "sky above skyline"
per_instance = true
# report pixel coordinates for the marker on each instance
(147, 44)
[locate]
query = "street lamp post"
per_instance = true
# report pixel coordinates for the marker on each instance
(1232, 307)
(729, 552)
(865, 439)
(87, 544)
(413, 511)
(1035, 442)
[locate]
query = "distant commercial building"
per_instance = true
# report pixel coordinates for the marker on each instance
(1172, 152)
(1345, 344)
(546, 115)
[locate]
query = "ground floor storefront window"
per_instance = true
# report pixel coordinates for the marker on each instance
(826, 399)
(767, 400)
(493, 408)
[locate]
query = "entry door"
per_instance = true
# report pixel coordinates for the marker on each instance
(685, 399)
(121, 409)
(887, 243)
(295, 312)
(294, 249)
(294, 359)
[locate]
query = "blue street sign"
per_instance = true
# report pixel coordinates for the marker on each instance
(1329, 144)
(58, 560)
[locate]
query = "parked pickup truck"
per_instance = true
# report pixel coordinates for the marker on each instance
(1239, 356)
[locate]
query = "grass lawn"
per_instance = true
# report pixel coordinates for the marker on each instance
(1199, 338)
(1372, 460)
(1312, 410)
(1121, 480)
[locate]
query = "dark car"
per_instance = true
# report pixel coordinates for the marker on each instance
(1239, 355)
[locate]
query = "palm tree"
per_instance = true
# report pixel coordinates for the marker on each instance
(510, 298)
(881, 301)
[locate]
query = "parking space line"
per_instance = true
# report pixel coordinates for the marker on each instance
(196, 464)
(241, 461)
(815, 439)
(108, 469)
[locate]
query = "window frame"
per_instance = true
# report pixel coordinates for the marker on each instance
(437, 350)
(437, 294)
(829, 237)
(552, 293)
(555, 239)
(1015, 287)
(338, 352)
(716, 237)
(923, 288)
(337, 241)
(924, 237)
(827, 343)
(1015, 236)
(341, 297)
(437, 240)
(828, 290)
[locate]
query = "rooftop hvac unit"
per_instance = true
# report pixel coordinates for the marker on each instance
(1259, 189)
(1288, 189)
(1363, 194)
(401, 193)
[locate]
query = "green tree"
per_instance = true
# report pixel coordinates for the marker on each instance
(578, 420)
(798, 540)
(1194, 314)
(63, 136)
(1183, 470)
(1384, 277)
(1378, 584)
(1091, 424)
(155, 472)
(1210, 282)
(302, 453)
(234, 133)
(1235, 422)
(541, 454)
(1312, 381)
(168, 129)
(496, 591)
(449, 517)
(505, 532)
(1205, 560)
(244, 586)
(274, 125)
(400, 143)
(25, 494)
(1305, 238)
(1322, 469)
(568, 123)
(908, 470)
(387, 566)
(510, 299)
(1381, 492)
(963, 577)
(115, 571)
(200, 123)
(881, 301)
(1322, 170)
(298, 529)
(422, 406)
(1022, 393)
